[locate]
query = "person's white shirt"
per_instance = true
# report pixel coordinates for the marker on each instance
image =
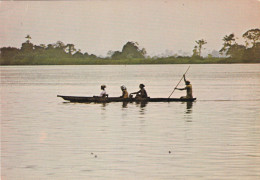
(103, 93)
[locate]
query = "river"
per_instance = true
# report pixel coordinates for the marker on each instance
(45, 137)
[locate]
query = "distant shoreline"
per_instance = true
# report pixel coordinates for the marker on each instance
(99, 61)
(60, 53)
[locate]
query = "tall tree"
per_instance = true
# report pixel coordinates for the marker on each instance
(200, 43)
(236, 51)
(195, 51)
(28, 37)
(130, 50)
(229, 40)
(59, 48)
(27, 46)
(70, 48)
(253, 36)
(60, 45)
(231, 48)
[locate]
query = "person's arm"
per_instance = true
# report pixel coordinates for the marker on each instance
(136, 92)
(184, 78)
(181, 88)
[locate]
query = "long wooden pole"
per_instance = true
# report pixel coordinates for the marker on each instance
(179, 82)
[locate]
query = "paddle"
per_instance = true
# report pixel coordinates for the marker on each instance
(179, 82)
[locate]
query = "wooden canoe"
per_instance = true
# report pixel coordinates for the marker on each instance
(118, 99)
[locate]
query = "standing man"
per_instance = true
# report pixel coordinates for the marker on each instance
(188, 89)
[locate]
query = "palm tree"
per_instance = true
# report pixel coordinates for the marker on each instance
(200, 44)
(229, 40)
(70, 48)
(28, 37)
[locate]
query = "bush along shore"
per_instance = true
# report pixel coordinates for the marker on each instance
(66, 54)
(105, 61)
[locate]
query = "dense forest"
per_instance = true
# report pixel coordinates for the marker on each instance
(63, 54)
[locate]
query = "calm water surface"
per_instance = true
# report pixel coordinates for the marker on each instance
(216, 137)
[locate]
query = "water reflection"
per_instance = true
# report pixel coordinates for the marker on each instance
(124, 139)
(189, 107)
(124, 104)
(142, 106)
(188, 112)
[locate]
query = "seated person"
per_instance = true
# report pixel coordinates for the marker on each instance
(124, 92)
(103, 93)
(141, 93)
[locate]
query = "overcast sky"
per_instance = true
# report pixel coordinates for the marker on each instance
(97, 26)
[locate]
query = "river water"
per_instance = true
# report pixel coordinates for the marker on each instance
(216, 137)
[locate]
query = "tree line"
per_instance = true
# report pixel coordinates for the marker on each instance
(61, 53)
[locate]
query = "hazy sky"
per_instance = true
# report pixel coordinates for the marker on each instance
(97, 26)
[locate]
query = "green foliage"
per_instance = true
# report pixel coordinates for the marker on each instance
(78, 54)
(195, 52)
(236, 51)
(229, 40)
(27, 47)
(70, 48)
(197, 49)
(8, 54)
(252, 35)
(210, 56)
(241, 53)
(130, 51)
(60, 53)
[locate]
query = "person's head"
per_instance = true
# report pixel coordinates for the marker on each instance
(103, 87)
(123, 87)
(187, 82)
(141, 86)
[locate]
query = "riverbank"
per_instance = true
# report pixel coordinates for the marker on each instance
(107, 61)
